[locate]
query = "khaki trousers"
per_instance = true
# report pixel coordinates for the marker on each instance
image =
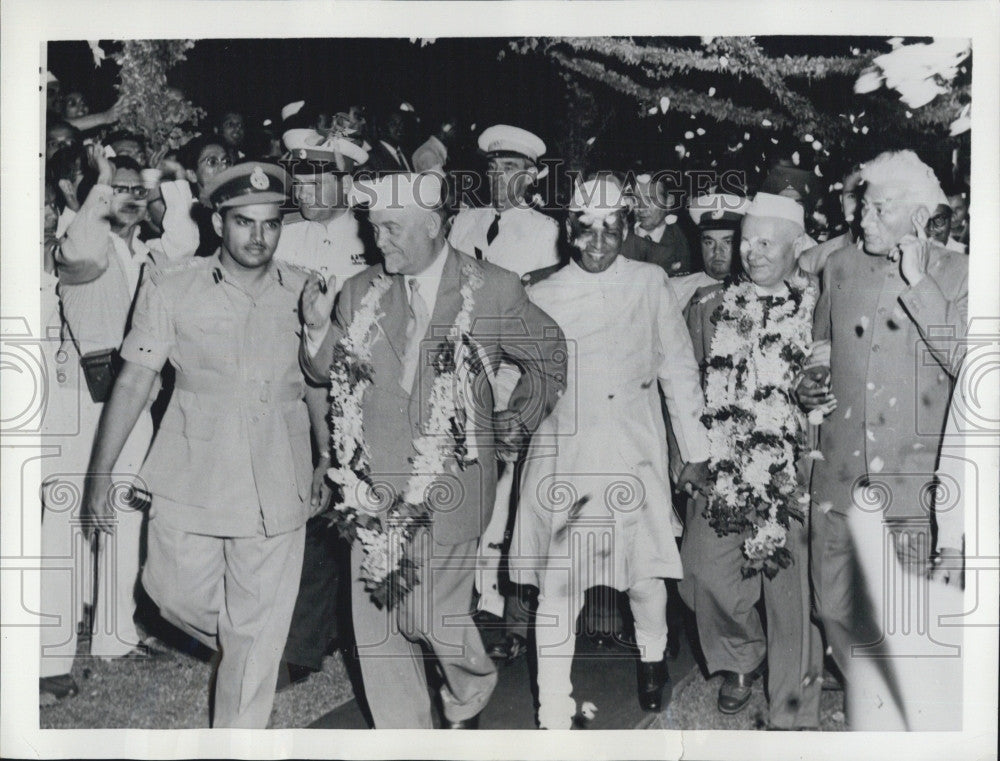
(235, 594)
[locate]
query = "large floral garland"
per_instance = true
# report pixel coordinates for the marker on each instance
(756, 430)
(386, 530)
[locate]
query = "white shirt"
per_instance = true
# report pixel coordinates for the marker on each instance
(328, 248)
(131, 264)
(655, 235)
(526, 239)
(429, 280)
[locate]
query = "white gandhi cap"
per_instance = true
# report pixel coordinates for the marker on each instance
(778, 207)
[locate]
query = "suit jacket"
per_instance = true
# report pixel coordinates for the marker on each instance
(381, 159)
(505, 324)
(671, 253)
(896, 350)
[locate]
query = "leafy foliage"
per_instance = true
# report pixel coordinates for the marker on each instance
(147, 105)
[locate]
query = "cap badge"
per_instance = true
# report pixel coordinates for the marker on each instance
(258, 179)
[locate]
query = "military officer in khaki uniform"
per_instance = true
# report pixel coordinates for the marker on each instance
(230, 469)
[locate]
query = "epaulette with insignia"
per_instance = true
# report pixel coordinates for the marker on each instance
(160, 272)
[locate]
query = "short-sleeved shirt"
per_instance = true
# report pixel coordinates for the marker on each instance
(233, 455)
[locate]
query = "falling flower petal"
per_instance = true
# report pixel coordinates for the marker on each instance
(671, 219)
(765, 122)
(817, 171)
(664, 104)
(746, 135)
(589, 710)
(653, 110)
(590, 140)
(876, 465)
(98, 52)
(807, 138)
(864, 130)
(700, 131)
(847, 415)
(688, 135)
(825, 507)
(796, 158)
(711, 91)
(723, 61)
(892, 402)
(681, 150)
(870, 386)
(857, 453)
(774, 140)
(817, 145)
(869, 435)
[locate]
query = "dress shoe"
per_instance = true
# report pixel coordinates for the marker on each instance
(736, 690)
(470, 723)
(141, 652)
(652, 677)
(510, 649)
(52, 689)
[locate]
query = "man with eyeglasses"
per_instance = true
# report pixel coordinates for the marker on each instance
(100, 262)
(202, 159)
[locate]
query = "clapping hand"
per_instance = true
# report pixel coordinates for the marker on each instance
(317, 300)
(912, 254)
(99, 161)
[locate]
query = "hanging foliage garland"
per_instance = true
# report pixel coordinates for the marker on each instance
(147, 105)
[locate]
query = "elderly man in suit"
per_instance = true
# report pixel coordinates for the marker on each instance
(894, 312)
(426, 287)
(733, 637)
(657, 239)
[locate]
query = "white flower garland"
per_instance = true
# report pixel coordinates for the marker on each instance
(756, 430)
(387, 569)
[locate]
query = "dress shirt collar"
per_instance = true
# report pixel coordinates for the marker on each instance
(655, 235)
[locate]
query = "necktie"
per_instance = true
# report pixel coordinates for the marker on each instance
(416, 327)
(642, 232)
(401, 158)
(493, 230)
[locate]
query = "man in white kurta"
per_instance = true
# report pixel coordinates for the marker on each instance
(595, 498)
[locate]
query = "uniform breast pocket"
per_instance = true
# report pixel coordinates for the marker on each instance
(213, 336)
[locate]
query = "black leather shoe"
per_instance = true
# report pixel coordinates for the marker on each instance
(736, 690)
(470, 723)
(52, 689)
(652, 677)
